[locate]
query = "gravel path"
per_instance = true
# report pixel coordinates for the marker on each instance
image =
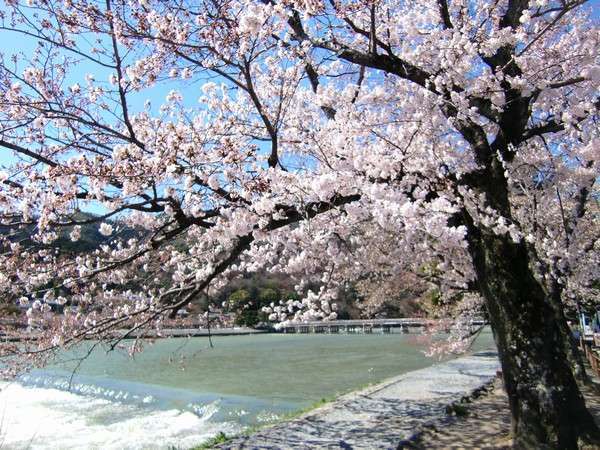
(381, 416)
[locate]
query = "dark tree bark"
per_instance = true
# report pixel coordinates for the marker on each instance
(547, 407)
(574, 356)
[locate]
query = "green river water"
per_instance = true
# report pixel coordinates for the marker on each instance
(179, 392)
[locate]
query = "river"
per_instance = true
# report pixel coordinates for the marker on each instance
(180, 392)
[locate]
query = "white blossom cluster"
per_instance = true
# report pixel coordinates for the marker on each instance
(313, 307)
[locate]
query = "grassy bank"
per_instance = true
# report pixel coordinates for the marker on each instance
(222, 438)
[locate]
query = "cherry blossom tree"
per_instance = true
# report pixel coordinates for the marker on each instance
(333, 140)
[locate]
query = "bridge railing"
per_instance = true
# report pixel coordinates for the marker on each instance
(409, 322)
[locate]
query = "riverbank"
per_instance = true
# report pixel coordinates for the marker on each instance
(164, 333)
(381, 416)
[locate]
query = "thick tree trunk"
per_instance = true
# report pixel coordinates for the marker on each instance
(574, 356)
(547, 407)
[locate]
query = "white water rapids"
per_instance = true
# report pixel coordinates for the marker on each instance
(42, 418)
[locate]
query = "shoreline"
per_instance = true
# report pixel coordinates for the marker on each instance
(167, 333)
(338, 327)
(177, 333)
(388, 414)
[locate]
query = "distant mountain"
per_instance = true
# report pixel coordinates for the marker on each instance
(90, 237)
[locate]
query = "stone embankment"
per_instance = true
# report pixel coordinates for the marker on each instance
(382, 416)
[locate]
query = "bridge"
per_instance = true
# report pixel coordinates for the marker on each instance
(366, 326)
(363, 326)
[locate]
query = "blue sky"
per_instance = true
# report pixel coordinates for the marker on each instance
(11, 42)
